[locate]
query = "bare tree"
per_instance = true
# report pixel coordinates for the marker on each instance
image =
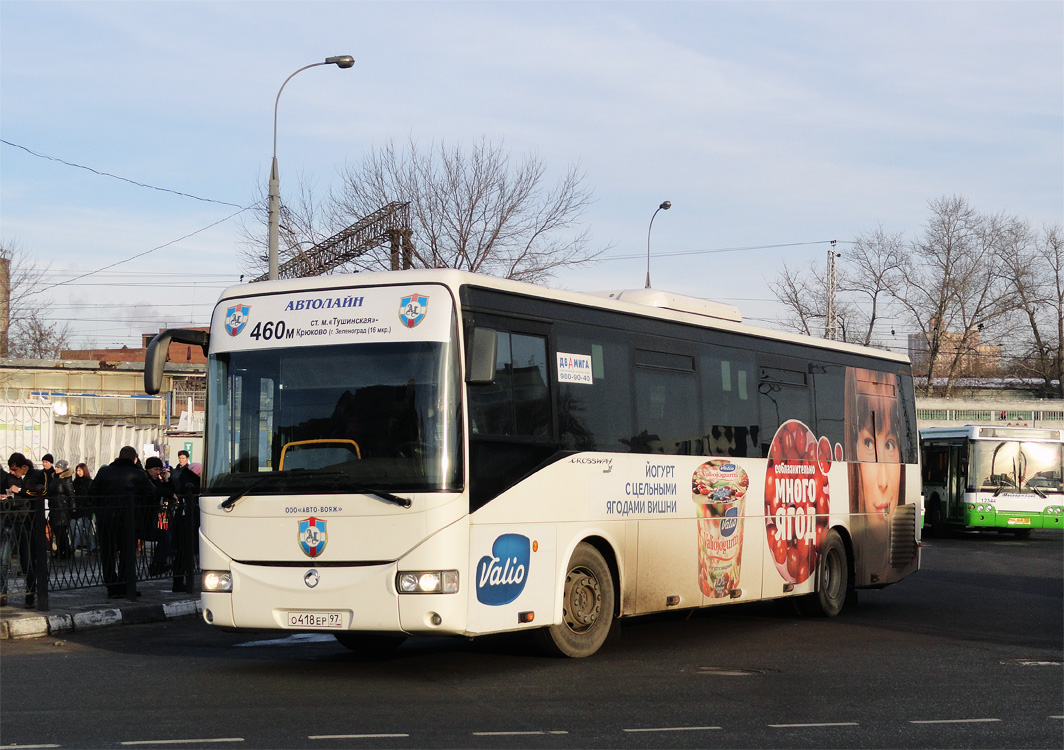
(28, 334)
(1033, 264)
(477, 209)
(303, 223)
(950, 286)
(38, 339)
(804, 298)
(869, 270)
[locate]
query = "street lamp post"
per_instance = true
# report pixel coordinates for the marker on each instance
(340, 61)
(665, 205)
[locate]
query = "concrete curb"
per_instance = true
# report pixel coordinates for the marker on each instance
(36, 626)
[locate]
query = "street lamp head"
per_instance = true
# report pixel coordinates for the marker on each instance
(665, 205)
(341, 61)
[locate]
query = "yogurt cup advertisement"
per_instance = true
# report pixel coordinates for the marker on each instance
(718, 489)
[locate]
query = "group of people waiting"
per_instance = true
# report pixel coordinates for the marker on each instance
(128, 501)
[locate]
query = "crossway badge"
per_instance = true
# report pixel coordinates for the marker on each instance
(312, 536)
(412, 309)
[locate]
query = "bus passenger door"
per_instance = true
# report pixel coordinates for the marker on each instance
(958, 480)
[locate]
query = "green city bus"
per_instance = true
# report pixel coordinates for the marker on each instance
(993, 478)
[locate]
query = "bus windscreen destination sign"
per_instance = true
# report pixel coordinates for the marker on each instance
(332, 316)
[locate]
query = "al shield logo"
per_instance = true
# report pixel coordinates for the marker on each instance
(501, 576)
(412, 309)
(236, 318)
(312, 536)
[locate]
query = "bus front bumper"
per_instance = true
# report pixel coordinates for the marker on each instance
(978, 516)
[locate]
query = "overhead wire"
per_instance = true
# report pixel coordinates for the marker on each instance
(138, 184)
(116, 177)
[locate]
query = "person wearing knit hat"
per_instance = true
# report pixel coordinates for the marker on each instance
(61, 519)
(49, 471)
(155, 526)
(60, 494)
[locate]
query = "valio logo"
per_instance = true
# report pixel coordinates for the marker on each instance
(501, 575)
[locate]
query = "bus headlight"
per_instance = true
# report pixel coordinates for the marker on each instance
(427, 582)
(218, 581)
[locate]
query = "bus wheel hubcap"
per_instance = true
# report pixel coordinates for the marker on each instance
(583, 600)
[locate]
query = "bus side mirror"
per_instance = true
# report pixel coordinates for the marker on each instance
(483, 346)
(155, 359)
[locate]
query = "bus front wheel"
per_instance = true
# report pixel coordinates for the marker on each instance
(832, 580)
(587, 607)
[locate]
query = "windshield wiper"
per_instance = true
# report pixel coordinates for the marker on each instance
(233, 499)
(403, 502)
(1036, 490)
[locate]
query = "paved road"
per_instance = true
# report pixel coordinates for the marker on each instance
(967, 653)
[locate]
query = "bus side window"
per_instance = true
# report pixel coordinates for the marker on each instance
(936, 460)
(784, 395)
(729, 403)
(517, 402)
(596, 415)
(829, 397)
(667, 408)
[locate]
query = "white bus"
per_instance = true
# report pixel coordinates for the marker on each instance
(437, 452)
(993, 477)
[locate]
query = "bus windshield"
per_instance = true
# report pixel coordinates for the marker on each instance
(1013, 466)
(334, 419)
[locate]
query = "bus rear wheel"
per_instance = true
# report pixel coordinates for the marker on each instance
(587, 607)
(370, 645)
(832, 580)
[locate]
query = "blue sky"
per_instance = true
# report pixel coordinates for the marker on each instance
(763, 123)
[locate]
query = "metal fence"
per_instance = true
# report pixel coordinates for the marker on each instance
(74, 549)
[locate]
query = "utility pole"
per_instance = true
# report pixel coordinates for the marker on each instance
(5, 304)
(831, 331)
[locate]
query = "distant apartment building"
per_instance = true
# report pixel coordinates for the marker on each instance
(973, 357)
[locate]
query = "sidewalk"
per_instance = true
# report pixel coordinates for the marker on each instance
(84, 609)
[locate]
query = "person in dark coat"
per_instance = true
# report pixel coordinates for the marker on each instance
(184, 520)
(24, 485)
(153, 520)
(83, 509)
(182, 474)
(60, 503)
(117, 491)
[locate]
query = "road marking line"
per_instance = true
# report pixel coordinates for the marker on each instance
(670, 729)
(355, 736)
(32, 747)
(513, 734)
(183, 742)
(1056, 717)
(953, 721)
(822, 724)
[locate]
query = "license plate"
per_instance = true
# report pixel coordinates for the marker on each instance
(1019, 522)
(315, 620)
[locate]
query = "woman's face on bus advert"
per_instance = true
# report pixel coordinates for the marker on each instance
(880, 467)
